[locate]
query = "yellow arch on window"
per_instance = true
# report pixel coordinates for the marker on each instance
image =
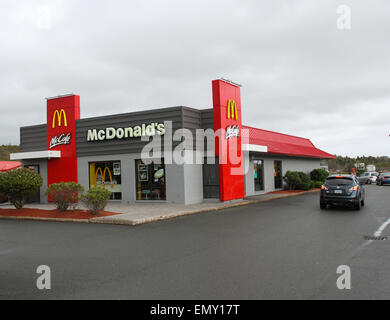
(103, 175)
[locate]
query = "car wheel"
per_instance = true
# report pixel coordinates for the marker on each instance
(358, 206)
(323, 205)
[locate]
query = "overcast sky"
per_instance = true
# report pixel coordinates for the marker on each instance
(301, 75)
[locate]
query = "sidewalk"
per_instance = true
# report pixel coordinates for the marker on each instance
(139, 213)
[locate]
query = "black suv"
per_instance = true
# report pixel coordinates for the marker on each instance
(342, 189)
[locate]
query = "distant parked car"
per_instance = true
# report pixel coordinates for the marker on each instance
(373, 176)
(363, 178)
(384, 178)
(342, 189)
(368, 177)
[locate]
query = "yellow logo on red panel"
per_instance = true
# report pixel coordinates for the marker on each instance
(232, 110)
(59, 115)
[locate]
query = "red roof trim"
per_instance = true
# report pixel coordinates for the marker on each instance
(285, 144)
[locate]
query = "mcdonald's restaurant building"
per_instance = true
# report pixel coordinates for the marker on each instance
(106, 151)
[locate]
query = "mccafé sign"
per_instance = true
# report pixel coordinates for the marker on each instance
(59, 140)
(125, 133)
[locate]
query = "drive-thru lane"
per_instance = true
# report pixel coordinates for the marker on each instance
(286, 248)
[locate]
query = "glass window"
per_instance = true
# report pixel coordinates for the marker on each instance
(338, 181)
(258, 167)
(150, 180)
(107, 175)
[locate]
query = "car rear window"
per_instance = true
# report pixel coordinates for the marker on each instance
(338, 181)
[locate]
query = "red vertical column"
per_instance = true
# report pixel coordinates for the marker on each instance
(228, 126)
(62, 113)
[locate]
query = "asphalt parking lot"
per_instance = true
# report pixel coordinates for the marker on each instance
(282, 249)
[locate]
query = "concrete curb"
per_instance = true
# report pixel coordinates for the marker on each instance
(107, 220)
(44, 219)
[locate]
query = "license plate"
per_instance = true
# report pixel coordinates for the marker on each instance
(338, 191)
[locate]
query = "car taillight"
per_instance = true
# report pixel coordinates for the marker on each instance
(354, 189)
(383, 178)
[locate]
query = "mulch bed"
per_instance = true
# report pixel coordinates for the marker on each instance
(40, 213)
(291, 191)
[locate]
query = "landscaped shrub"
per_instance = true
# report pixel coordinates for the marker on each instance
(316, 184)
(96, 199)
(319, 175)
(305, 181)
(297, 180)
(17, 185)
(292, 179)
(64, 194)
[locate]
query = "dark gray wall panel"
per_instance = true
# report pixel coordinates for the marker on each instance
(33, 138)
(207, 119)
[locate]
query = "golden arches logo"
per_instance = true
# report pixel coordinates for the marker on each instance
(232, 110)
(103, 175)
(59, 114)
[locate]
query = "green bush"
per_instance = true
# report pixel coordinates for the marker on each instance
(319, 175)
(64, 194)
(297, 180)
(96, 199)
(292, 179)
(316, 184)
(305, 181)
(19, 184)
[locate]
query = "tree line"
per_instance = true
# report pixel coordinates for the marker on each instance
(5, 151)
(342, 163)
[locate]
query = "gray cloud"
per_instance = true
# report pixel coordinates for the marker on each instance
(300, 74)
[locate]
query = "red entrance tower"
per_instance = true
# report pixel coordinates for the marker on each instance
(228, 133)
(62, 113)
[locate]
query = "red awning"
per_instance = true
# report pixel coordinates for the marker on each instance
(9, 165)
(279, 143)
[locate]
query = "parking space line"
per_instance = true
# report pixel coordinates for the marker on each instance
(382, 228)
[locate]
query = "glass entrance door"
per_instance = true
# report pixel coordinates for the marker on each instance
(258, 167)
(278, 174)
